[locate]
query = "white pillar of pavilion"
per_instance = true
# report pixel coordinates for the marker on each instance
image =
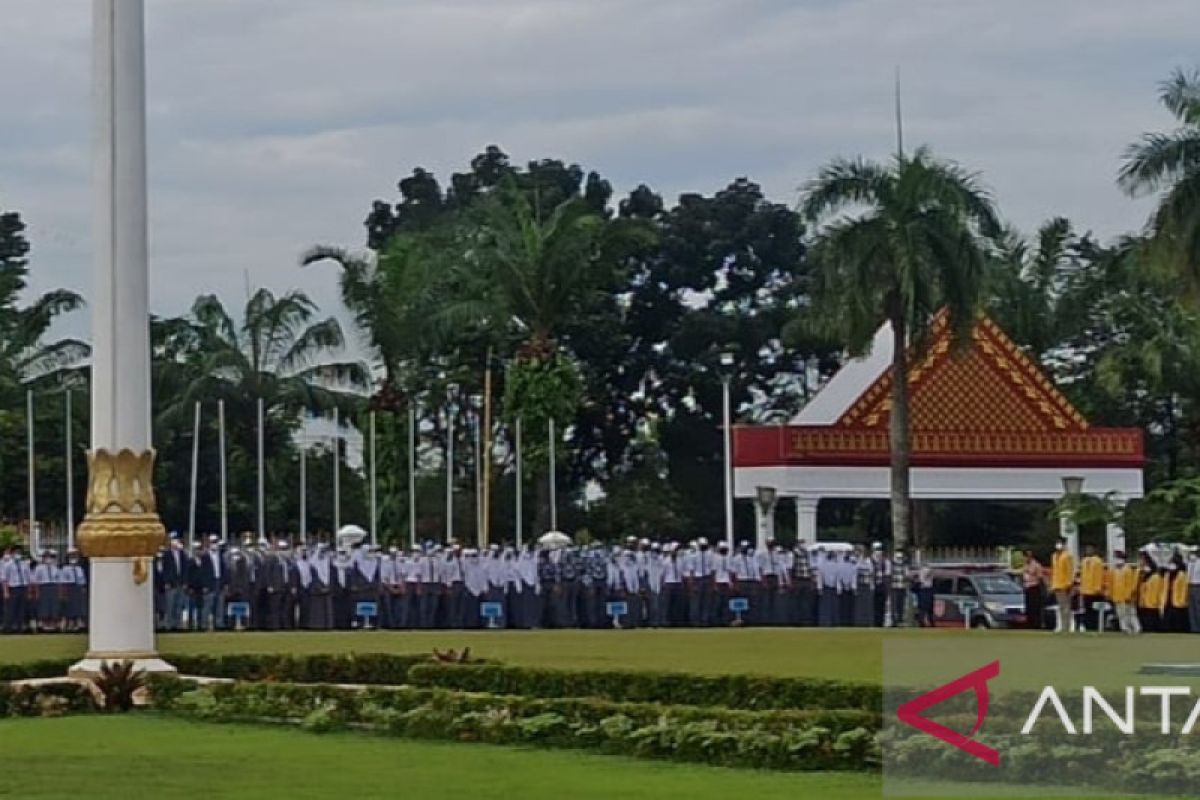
(806, 519)
(121, 531)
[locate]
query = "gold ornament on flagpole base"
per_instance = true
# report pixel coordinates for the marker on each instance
(122, 515)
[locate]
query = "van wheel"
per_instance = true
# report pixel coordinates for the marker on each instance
(981, 623)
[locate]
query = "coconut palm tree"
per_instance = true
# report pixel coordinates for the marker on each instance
(1169, 164)
(1030, 283)
(25, 355)
(393, 298)
(279, 352)
(896, 243)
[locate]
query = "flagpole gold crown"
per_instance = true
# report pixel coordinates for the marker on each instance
(122, 515)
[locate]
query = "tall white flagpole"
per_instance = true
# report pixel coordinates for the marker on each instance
(262, 483)
(374, 489)
(224, 472)
(195, 476)
(412, 474)
(449, 472)
(304, 480)
(69, 449)
(553, 477)
(337, 471)
(120, 536)
(35, 539)
(479, 480)
(520, 488)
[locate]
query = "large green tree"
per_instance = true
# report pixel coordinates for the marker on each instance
(897, 243)
(29, 359)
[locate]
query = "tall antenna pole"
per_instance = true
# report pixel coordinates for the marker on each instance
(899, 118)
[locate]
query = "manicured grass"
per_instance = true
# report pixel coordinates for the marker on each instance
(146, 756)
(149, 756)
(849, 654)
(852, 654)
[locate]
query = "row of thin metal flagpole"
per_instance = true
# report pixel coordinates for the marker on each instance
(337, 451)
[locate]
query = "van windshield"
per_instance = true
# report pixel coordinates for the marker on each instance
(996, 584)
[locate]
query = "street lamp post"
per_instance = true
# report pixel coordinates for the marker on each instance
(1068, 528)
(766, 497)
(726, 437)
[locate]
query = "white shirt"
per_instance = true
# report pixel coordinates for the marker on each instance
(1194, 571)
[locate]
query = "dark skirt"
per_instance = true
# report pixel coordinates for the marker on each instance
(72, 601)
(47, 602)
(864, 607)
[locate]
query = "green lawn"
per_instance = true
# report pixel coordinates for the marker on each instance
(149, 756)
(852, 654)
(111, 757)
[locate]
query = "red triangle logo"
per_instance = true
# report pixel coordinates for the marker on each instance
(910, 712)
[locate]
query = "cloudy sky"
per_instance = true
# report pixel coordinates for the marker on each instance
(274, 123)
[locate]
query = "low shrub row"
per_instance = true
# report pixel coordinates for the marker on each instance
(52, 700)
(798, 740)
(34, 670)
(731, 691)
(379, 669)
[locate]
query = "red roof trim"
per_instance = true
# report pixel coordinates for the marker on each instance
(830, 445)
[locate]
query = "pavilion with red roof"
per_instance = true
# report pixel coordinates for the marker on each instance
(986, 424)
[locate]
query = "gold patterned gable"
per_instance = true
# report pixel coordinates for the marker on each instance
(991, 387)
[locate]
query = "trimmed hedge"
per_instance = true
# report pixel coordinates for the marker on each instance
(372, 669)
(35, 670)
(820, 740)
(731, 691)
(45, 701)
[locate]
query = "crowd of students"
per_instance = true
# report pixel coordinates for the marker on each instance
(274, 586)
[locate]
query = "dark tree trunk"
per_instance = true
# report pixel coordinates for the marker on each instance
(899, 436)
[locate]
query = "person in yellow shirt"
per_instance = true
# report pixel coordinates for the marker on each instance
(1062, 580)
(1151, 596)
(1176, 615)
(1092, 576)
(1123, 591)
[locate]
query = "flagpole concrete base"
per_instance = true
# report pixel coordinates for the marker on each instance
(121, 619)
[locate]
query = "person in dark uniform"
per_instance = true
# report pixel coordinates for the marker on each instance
(72, 585)
(805, 589)
(531, 592)
(320, 591)
(881, 573)
(44, 586)
(343, 591)
(365, 585)
(241, 584)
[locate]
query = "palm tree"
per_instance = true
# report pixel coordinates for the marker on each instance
(276, 354)
(392, 297)
(908, 240)
(535, 270)
(25, 355)
(1169, 163)
(1030, 282)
